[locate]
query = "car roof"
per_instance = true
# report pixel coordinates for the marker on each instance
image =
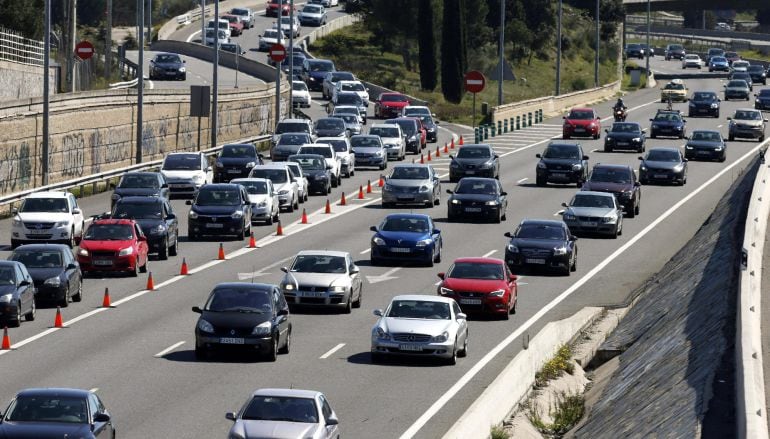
(297, 393)
(560, 143)
(480, 179)
(411, 165)
(9, 263)
(307, 156)
(706, 131)
(48, 194)
(141, 173)
(408, 215)
(748, 109)
(383, 125)
(43, 246)
(110, 221)
(476, 145)
(322, 145)
(600, 194)
(479, 260)
(214, 186)
(167, 53)
(183, 153)
(423, 297)
(140, 200)
(582, 109)
(244, 285)
(663, 148)
(322, 253)
(611, 166)
(49, 391)
(542, 221)
(294, 120)
(279, 165)
(250, 179)
(392, 93)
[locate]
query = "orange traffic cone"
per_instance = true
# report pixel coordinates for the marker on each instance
(438, 152)
(360, 192)
(422, 159)
(6, 340)
(106, 301)
(368, 186)
(461, 141)
(381, 183)
(57, 321)
(304, 217)
(221, 255)
(429, 159)
(342, 200)
(183, 270)
(328, 207)
(279, 230)
(252, 241)
(446, 149)
(150, 283)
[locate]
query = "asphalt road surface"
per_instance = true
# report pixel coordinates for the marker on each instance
(140, 353)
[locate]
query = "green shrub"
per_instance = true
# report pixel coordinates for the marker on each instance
(499, 432)
(554, 367)
(566, 412)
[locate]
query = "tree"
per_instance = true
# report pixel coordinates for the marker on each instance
(453, 51)
(540, 19)
(24, 16)
(426, 43)
(763, 16)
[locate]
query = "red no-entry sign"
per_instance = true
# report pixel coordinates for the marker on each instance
(474, 81)
(84, 50)
(277, 52)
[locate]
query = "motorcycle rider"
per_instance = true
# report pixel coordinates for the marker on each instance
(621, 107)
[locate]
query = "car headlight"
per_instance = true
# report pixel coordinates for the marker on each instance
(382, 334)
(644, 168)
(237, 214)
(262, 204)
(423, 242)
(541, 165)
(338, 289)
(454, 165)
(486, 165)
(491, 203)
(17, 221)
(378, 153)
(424, 188)
(53, 282)
(126, 251)
(83, 252)
(444, 336)
(378, 241)
(577, 167)
(610, 218)
(591, 125)
(115, 197)
(288, 287)
(497, 293)
(568, 216)
(678, 168)
(445, 290)
(678, 127)
(714, 105)
(512, 248)
(193, 214)
(608, 138)
(626, 194)
(205, 326)
(311, 79)
(692, 104)
(558, 251)
(220, 165)
(251, 164)
(6, 298)
(718, 148)
(263, 329)
(687, 147)
(199, 179)
(454, 201)
(283, 192)
(157, 230)
(62, 224)
(182, 69)
(636, 139)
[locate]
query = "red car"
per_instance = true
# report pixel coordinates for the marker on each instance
(582, 122)
(390, 105)
(236, 27)
(481, 285)
(113, 245)
(273, 6)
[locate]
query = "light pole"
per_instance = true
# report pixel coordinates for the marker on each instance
(140, 85)
(647, 52)
(108, 42)
(596, 58)
(502, 46)
(291, 57)
(203, 22)
(558, 51)
(46, 87)
(215, 77)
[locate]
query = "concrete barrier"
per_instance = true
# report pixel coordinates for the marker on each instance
(751, 411)
(226, 59)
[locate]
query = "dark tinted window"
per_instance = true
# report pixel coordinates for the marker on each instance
(109, 232)
(281, 409)
(53, 408)
(239, 299)
(137, 210)
(471, 270)
(182, 162)
(38, 258)
(541, 231)
(218, 197)
(239, 151)
(139, 181)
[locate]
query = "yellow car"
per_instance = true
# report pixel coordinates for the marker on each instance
(676, 90)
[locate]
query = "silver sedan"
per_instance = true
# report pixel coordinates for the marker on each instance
(323, 278)
(412, 184)
(594, 212)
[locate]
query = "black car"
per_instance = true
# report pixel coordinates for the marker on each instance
(17, 293)
(762, 99)
(411, 129)
(251, 315)
(634, 51)
(353, 99)
(674, 51)
(478, 160)
(705, 145)
(746, 76)
(288, 144)
(668, 123)
(330, 127)
(143, 184)
(758, 74)
(167, 65)
(620, 180)
(704, 103)
(317, 172)
(220, 209)
(542, 244)
(54, 413)
(477, 198)
(625, 135)
(157, 220)
(562, 163)
(235, 161)
(663, 165)
(54, 270)
(232, 48)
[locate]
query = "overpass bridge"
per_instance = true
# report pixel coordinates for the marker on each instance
(681, 5)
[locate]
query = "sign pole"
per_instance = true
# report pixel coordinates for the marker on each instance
(277, 54)
(46, 89)
(140, 86)
(473, 125)
(215, 77)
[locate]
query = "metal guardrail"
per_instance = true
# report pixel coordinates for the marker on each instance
(192, 15)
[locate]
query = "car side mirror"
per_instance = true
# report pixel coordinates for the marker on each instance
(197, 309)
(606, 130)
(573, 237)
(507, 234)
(538, 156)
(377, 312)
(462, 316)
(188, 202)
(449, 191)
(328, 167)
(650, 120)
(513, 277)
(142, 239)
(437, 231)
(644, 130)
(564, 205)
(24, 283)
(76, 211)
(283, 312)
(504, 193)
(373, 228)
(585, 157)
(284, 269)
(71, 266)
(729, 118)
(171, 216)
(441, 275)
(685, 160)
(102, 417)
(113, 186)
(14, 211)
(208, 169)
(164, 186)
(230, 416)
(332, 420)
(355, 270)
(640, 158)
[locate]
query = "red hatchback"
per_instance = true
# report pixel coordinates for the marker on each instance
(582, 122)
(481, 285)
(273, 6)
(113, 245)
(390, 105)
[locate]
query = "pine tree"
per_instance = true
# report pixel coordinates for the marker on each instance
(453, 50)
(426, 40)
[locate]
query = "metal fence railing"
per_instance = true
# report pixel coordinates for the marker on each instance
(16, 48)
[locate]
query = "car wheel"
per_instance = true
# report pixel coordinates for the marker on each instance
(191, 236)
(174, 249)
(349, 305)
(643, 181)
(246, 230)
(515, 303)
(730, 137)
(334, 183)
(296, 203)
(726, 98)
(636, 208)
(304, 196)
(272, 354)
(573, 265)
(163, 251)
(438, 256)
(357, 303)
(79, 295)
(453, 359)
(269, 220)
(540, 181)
(201, 353)
(287, 344)
(65, 301)
(464, 351)
(374, 261)
(607, 148)
(30, 316)
(290, 208)
(498, 218)
(16, 322)
(652, 135)
(71, 242)
(135, 271)
(328, 189)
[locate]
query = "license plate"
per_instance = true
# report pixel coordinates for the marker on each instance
(231, 340)
(172, 185)
(622, 143)
(589, 224)
(470, 301)
(660, 176)
(703, 153)
(473, 209)
(39, 232)
(406, 198)
(233, 171)
(534, 261)
(470, 172)
(400, 250)
(214, 226)
(410, 347)
(102, 262)
(312, 294)
(702, 110)
(580, 130)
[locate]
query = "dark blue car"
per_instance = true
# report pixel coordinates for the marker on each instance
(314, 71)
(668, 123)
(704, 103)
(220, 209)
(406, 237)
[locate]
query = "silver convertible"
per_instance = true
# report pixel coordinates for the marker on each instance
(421, 325)
(323, 278)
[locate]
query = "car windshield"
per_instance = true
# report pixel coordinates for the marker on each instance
(357, 86)
(541, 231)
(227, 299)
(384, 132)
(253, 187)
(134, 181)
(393, 98)
(320, 66)
(231, 18)
(408, 127)
(409, 173)
(756, 68)
(709, 136)
(45, 408)
(291, 127)
(626, 128)
(271, 33)
(466, 186)
(312, 9)
(402, 224)
(281, 409)
(319, 264)
(274, 175)
(38, 258)
(137, 210)
(7, 275)
(562, 152)
(740, 64)
(586, 200)
(704, 97)
(473, 270)
(416, 112)
(286, 20)
(419, 309)
(581, 115)
(661, 155)
(45, 205)
(330, 123)
(298, 86)
(365, 142)
(609, 175)
(691, 57)
(339, 145)
(218, 197)
(239, 11)
(718, 59)
(633, 46)
(311, 164)
(168, 59)
(674, 86)
(470, 152)
(294, 169)
(739, 83)
(342, 76)
(349, 99)
(293, 139)
(319, 150)
(668, 117)
(182, 162)
(241, 151)
(675, 47)
(345, 110)
(348, 118)
(764, 93)
(742, 76)
(109, 232)
(748, 115)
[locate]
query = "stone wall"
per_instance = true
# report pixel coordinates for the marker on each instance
(19, 81)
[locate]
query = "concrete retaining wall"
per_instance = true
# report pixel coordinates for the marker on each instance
(19, 81)
(226, 59)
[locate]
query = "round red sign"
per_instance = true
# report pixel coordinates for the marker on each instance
(84, 50)
(277, 52)
(474, 81)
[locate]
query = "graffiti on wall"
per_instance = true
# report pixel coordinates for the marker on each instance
(73, 155)
(154, 137)
(15, 167)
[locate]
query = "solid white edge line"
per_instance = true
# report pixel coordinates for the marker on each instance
(522, 180)
(84, 316)
(331, 351)
(489, 253)
(455, 389)
(365, 251)
(15, 346)
(168, 349)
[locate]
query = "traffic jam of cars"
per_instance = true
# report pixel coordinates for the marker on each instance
(56, 248)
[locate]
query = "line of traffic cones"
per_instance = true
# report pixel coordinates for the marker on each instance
(422, 159)
(150, 283)
(221, 255)
(328, 207)
(252, 241)
(184, 271)
(438, 152)
(446, 149)
(429, 159)
(279, 229)
(461, 140)
(360, 192)
(304, 217)
(57, 321)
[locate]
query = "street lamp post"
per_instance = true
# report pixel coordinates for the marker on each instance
(215, 78)
(46, 87)
(140, 85)
(291, 56)
(558, 51)
(596, 57)
(647, 52)
(501, 56)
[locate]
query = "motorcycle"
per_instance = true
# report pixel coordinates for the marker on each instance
(620, 115)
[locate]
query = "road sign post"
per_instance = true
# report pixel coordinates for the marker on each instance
(474, 83)
(277, 53)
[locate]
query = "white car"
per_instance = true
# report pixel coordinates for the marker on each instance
(263, 198)
(692, 60)
(330, 156)
(348, 109)
(300, 94)
(223, 25)
(325, 278)
(186, 172)
(344, 153)
(218, 36)
(287, 26)
(269, 38)
(393, 139)
(283, 183)
(740, 66)
(420, 326)
(296, 172)
(52, 217)
(354, 86)
(416, 111)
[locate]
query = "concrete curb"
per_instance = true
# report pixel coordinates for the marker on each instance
(751, 410)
